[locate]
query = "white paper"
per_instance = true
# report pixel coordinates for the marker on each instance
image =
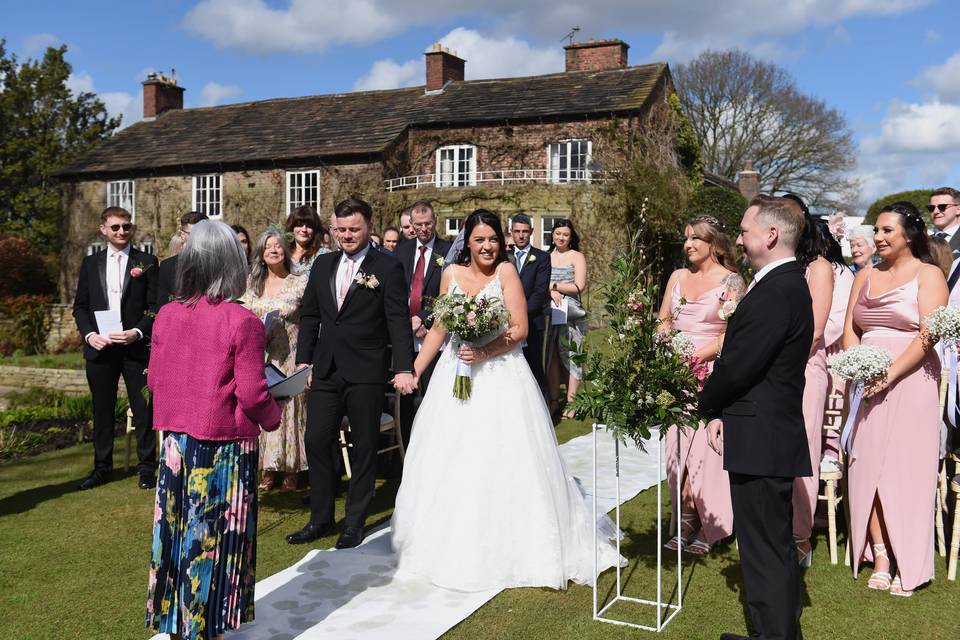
(108, 322)
(558, 312)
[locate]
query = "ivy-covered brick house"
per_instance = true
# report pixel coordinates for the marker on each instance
(516, 144)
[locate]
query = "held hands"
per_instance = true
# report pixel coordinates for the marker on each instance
(98, 341)
(124, 337)
(405, 383)
(715, 435)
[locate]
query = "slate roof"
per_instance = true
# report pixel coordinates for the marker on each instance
(356, 125)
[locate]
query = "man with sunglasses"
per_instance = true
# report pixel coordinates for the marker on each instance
(123, 280)
(944, 209)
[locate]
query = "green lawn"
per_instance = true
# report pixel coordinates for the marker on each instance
(74, 565)
(71, 360)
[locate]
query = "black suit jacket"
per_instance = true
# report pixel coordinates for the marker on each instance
(535, 277)
(167, 281)
(138, 300)
(757, 382)
(357, 337)
(406, 253)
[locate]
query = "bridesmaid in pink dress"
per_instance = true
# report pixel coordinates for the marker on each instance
(692, 306)
(812, 252)
(892, 465)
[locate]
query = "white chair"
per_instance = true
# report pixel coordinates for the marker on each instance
(389, 423)
(128, 434)
(833, 422)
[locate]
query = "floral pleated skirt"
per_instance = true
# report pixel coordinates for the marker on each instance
(203, 564)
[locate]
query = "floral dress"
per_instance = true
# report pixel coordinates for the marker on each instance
(301, 268)
(283, 450)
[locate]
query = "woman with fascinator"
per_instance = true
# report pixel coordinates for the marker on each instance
(274, 293)
(485, 501)
(894, 443)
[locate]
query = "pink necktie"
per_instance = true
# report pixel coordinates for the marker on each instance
(345, 283)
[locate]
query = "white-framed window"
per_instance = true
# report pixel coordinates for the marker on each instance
(453, 225)
(146, 246)
(208, 194)
(546, 225)
(96, 245)
(120, 193)
(303, 187)
(569, 160)
(457, 166)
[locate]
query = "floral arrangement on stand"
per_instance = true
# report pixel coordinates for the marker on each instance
(643, 381)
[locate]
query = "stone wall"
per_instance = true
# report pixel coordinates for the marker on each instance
(70, 381)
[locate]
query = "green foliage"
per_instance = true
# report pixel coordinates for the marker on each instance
(43, 404)
(725, 205)
(33, 397)
(27, 326)
(67, 360)
(25, 271)
(919, 197)
(43, 126)
(642, 386)
(688, 146)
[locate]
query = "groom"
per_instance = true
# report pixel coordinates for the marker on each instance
(754, 402)
(353, 309)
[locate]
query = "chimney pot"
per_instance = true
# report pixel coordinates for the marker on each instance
(160, 93)
(596, 55)
(748, 182)
(443, 66)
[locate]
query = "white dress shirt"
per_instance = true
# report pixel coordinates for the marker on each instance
(770, 267)
(426, 255)
(357, 259)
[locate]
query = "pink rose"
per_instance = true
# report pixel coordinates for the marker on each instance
(136, 272)
(471, 318)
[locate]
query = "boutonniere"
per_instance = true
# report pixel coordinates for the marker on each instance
(365, 281)
(138, 269)
(440, 261)
(531, 258)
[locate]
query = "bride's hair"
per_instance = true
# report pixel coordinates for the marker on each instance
(492, 220)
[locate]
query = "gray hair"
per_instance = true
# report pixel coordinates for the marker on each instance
(259, 272)
(865, 233)
(212, 265)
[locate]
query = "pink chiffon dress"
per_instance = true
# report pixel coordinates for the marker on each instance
(703, 469)
(895, 439)
(815, 389)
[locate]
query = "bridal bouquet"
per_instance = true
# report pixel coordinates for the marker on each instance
(861, 364)
(469, 318)
(944, 324)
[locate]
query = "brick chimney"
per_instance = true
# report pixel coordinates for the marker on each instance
(596, 55)
(443, 66)
(161, 93)
(748, 181)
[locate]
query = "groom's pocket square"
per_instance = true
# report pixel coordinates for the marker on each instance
(742, 408)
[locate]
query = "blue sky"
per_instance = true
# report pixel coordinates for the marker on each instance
(892, 67)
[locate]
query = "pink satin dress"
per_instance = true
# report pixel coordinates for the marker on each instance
(833, 336)
(895, 440)
(703, 469)
(815, 389)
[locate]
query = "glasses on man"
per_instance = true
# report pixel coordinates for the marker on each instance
(126, 226)
(939, 207)
(423, 225)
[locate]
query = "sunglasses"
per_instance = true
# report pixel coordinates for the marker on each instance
(126, 226)
(939, 207)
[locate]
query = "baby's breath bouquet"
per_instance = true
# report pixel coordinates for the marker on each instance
(469, 318)
(641, 381)
(944, 324)
(861, 364)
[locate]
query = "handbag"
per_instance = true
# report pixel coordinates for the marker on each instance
(575, 310)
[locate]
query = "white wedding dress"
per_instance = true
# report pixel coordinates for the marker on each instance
(485, 501)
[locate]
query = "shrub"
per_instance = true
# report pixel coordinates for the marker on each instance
(69, 344)
(725, 205)
(28, 323)
(919, 197)
(25, 271)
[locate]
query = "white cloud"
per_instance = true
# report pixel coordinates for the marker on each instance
(689, 26)
(35, 44)
(486, 56)
(80, 83)
(931, 36)
(214, 93)
(117, 103)
(387, 74)
(944, 78)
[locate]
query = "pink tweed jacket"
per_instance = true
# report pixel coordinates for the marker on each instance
(206, 372)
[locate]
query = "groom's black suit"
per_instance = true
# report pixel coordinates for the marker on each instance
(757, 389)
(350, 352)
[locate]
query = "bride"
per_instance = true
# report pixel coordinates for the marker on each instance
(485, 501)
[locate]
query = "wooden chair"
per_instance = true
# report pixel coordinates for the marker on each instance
(128, 434)
(389, 423)
(942, 493)
(833, 422)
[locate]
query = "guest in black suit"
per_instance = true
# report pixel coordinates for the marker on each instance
(354, 308)
(119, 278)
(533, 265)
(168, 268)
(423, 260)
(754, 401)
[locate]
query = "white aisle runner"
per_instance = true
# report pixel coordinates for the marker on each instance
(354, 595)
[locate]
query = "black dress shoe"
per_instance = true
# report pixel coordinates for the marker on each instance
(311, 532)
(147, 481)
(733, 636)
(350, 538)
(95, 479)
